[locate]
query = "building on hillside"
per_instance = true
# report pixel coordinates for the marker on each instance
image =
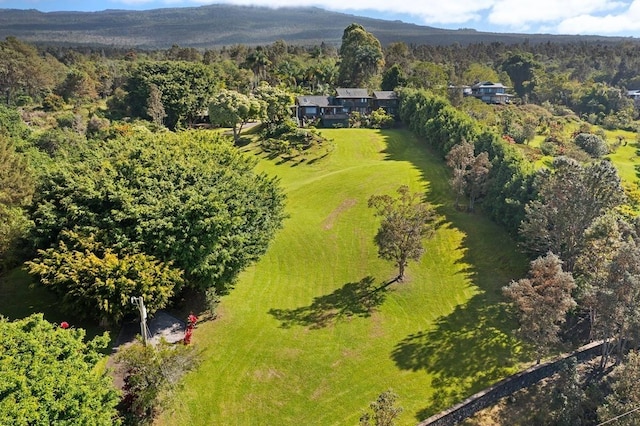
(491, 93)
(333, 111)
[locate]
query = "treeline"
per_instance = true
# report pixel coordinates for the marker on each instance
(510, 179)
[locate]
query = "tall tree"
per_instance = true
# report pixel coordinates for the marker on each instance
(570, 198)
(361, 57)
(543, 301)
(49, 376)
(185, 87)
(406, 222)
(522, 69)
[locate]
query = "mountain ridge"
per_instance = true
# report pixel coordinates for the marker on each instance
(217, 25)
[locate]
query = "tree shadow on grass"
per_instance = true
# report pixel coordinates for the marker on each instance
(474, 346)
(466, 351)
(356, 299)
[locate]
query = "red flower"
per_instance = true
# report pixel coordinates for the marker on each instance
(64, 325)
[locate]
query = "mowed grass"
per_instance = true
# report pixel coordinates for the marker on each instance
(311, 334)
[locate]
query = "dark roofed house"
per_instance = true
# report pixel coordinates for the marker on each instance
(491, 93)
(354, 99)
(387, 100)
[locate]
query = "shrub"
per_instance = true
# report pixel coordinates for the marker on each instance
(592, 144)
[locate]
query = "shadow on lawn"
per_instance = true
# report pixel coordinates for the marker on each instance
(465, 352)
(356, 299)
(473, 346)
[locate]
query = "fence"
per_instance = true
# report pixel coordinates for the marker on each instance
(508, 386)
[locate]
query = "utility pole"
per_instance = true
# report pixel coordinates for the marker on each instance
(144, 331)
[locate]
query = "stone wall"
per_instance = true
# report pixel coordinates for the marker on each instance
(508, 386)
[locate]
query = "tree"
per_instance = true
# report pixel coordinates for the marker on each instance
(233, 109)
(155, 109)
(625, 393)
(393, 78)
(277, 101)
(569, 199)
(189, 198)
(470, 172)
(361, 57)
(16, 190)
(383, 411)
(459, 159)
(96, 281)
(543, 301)
(592, 144)
(608, 271)
(185, 88)
(49, 376)
(522, 69)
(406, 222)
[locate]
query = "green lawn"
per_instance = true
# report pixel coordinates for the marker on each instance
(310, 335)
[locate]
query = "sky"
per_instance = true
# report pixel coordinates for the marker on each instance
(600, 17)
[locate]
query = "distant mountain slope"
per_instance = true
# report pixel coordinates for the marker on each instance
(225, 25)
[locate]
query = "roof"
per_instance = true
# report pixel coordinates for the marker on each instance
(318, 101)
(352, 93)
(487, 84)
(385, 94)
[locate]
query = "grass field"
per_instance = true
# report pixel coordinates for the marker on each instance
(310, 335)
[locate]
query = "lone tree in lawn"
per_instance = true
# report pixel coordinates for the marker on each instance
(406, 222)
(543, 301)
(234, 109)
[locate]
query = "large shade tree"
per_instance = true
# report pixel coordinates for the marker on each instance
(189, 198)
(235, 110)
(48, 376)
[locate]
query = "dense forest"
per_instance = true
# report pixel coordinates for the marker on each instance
(110, 190)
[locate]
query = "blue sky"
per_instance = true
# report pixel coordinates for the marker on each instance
(602, 17)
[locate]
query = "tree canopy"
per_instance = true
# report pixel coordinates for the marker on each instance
(48, 375)
(406, 222)
(189, 198)
(361, 57)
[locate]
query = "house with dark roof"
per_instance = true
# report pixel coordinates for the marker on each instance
(491, 93)
(334, 110)
(387, 100)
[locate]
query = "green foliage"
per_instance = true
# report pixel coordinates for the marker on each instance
(16, 190)
(287, 139)
(188, 198)
(11, 124)
(152, 373)
(383, 411)
(52, 102)
(185, 89)
(278, 102)
(569, 199)
(625, 393)
(379, 119)
(406, 223)
(594, 145)
(361, 57)
(442, 126)
(48, 375)
(95, 281)
(234, 109)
